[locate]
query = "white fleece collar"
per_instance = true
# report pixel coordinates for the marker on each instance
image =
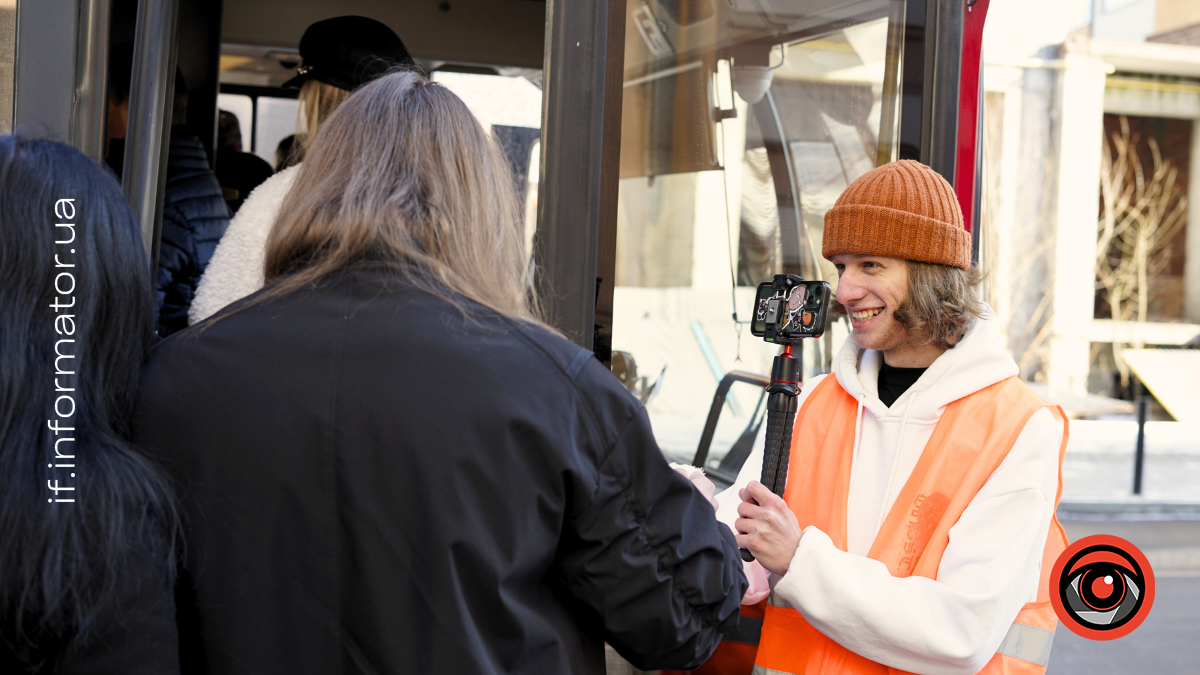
(979, 360)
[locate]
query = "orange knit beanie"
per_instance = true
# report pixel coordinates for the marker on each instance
(900, 210)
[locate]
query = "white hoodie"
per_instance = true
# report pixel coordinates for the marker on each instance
(236, 268)
(990, 567)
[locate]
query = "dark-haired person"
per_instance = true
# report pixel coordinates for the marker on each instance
(87, 521)
(392, 466)
(239, 173)
(339, 55)
(285, 155)
(194, 216)
(917, 529)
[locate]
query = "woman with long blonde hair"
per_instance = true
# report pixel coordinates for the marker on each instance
(339, 55)
(393, 466)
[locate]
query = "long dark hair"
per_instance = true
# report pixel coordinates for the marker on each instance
(63, 564)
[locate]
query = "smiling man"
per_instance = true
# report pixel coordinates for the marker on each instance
(917, 529)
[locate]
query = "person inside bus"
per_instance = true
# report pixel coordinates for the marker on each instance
(88, 521)
(392, 465)
(284, 157)
(238, 172)
(194, 211)
(338, 55)
(917, 530)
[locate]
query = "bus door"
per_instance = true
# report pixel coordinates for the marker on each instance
(740, 125)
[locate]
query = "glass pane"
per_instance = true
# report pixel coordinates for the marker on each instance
(277, 119)
(242, 108)
(531, 195)
(8, 53)
(743, 121)
(495, 99)
(512, 108)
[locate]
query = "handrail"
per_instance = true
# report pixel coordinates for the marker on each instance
(714, 412)
(147, 135)
(91, 78)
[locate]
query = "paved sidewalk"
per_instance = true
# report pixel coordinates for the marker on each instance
(1100, 459)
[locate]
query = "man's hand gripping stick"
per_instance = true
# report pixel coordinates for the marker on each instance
(781, 416)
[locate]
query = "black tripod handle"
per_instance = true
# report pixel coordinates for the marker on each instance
(781, 417)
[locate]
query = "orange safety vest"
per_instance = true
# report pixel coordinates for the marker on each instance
(972, 437)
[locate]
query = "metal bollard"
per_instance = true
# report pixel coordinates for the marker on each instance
(1143, 403)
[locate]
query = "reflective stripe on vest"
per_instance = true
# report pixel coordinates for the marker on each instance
(971, 439)
(748, 630)
(1028, 643)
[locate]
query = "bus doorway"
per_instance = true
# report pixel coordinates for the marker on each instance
(680, 152)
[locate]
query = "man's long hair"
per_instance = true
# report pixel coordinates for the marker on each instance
(942, 304)
(403, 173)
(63, 565)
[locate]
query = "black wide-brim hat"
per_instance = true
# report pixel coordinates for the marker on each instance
(348, 51)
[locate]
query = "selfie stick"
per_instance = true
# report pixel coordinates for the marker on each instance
(781, 415)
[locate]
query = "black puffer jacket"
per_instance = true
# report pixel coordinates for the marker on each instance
(377, 482)
(194, 218)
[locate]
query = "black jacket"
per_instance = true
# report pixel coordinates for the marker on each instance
(194, 218)
(378, 482)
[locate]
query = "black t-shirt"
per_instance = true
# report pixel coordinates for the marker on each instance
(895, 381)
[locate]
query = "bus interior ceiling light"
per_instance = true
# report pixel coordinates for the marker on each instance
(752, 82)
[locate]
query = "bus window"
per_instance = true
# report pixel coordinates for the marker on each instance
(242, 108)
(531, 195)
(742, 123)
(275, 119)
(8, 46)
(512, 108)
(495, 99)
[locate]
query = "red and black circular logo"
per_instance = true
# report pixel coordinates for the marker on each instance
(1102, 587)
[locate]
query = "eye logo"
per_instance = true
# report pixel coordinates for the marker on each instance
(1102, 587)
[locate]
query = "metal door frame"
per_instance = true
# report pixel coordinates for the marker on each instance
(580, 157)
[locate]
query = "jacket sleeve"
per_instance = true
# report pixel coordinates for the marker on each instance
(195, 216)
(176, 262)
(649, 557)
(954, 624)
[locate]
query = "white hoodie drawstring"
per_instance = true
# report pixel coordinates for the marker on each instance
(887, 496)
(858, 418)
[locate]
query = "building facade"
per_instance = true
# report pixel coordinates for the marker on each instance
(1091, 233)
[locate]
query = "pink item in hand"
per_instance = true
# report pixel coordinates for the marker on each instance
(759, 589)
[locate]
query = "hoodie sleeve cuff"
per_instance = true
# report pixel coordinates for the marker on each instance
(787, 587)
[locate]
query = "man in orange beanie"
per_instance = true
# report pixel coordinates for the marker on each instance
(917, 529)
